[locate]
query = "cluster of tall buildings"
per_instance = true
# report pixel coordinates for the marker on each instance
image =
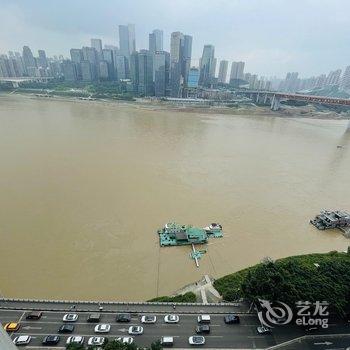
(146, 72)
(336, 78)
(154, 71)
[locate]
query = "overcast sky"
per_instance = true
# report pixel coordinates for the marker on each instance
(271, 36)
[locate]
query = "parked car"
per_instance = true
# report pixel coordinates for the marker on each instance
(203, 319)
(96, 341)
(125, 340)
(51, 340)
(263, 330)
(102, 328)
(135, 330)
(123, 318)
(34, 315)
(70, 318)
(76, 339)
(171, 319)
(148, 319)
(205, 328)
(12, 326)
(196, 340)
(66, 328)
(167, 341)
(22, 340)
(231, 319)
(94, 317)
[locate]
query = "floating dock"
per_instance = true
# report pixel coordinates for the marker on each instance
(173, 234)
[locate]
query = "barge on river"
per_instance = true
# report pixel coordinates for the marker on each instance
(331, 219)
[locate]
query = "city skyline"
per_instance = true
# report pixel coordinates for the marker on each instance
(277, 46)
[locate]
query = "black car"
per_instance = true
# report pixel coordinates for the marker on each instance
(66, 328)
(205, 328)
(123, 318)
(51, 340)
(94, 317)
(34, 315)
(230, 319)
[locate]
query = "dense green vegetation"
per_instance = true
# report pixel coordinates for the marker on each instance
(115, 345)
(312, 277)
(188, 297)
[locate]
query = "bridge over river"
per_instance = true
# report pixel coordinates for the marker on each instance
(275, 98)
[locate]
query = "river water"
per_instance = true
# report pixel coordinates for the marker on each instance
(85, 185)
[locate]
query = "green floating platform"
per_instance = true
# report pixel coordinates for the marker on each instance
(173, 234)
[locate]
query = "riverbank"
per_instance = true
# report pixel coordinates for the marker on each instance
(309, 277)
(235, 109)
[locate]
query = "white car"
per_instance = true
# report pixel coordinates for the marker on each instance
(263, 330)
(22, 340)
(148, 319)
(171, 319)
(76, 339)
(135, 330)
(70, 318)
(96, 341)
(125, 340)
(196, 340)
(102, 328)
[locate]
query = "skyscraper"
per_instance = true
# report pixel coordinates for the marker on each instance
(107, 55)
(237, 72)
(180, 61)
(206, 67)
(127, 43)
(145, 59)
(86, 71)
(155, 41)
(186, 62)
(42, 59)
(345, 81)
(223, 71)
(161, 67)
(69, 70)
(90, 55)
(134, 71)
(28, 58)
(97, 45)
(120, 64)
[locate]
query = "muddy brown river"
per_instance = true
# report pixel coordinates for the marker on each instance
(85, 185)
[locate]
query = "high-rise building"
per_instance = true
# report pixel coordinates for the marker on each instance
(69, 70)
(76, 55)
(4, 67)
(345, 81)
(121, 65)
(223, 71)
(97, 45)
(103, 70)
(134, 71)
(86, 71)
(176, 48)
(237, 72)
(155, 41)
(161, 67)
(145, 73)
(107, 55)
(193, 78)
(333, 78)
(206, 67)
(127, 43)
(28, 58)
(186, 62)
(90, 55)
(42, 60)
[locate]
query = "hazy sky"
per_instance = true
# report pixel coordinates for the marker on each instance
(271, 36)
